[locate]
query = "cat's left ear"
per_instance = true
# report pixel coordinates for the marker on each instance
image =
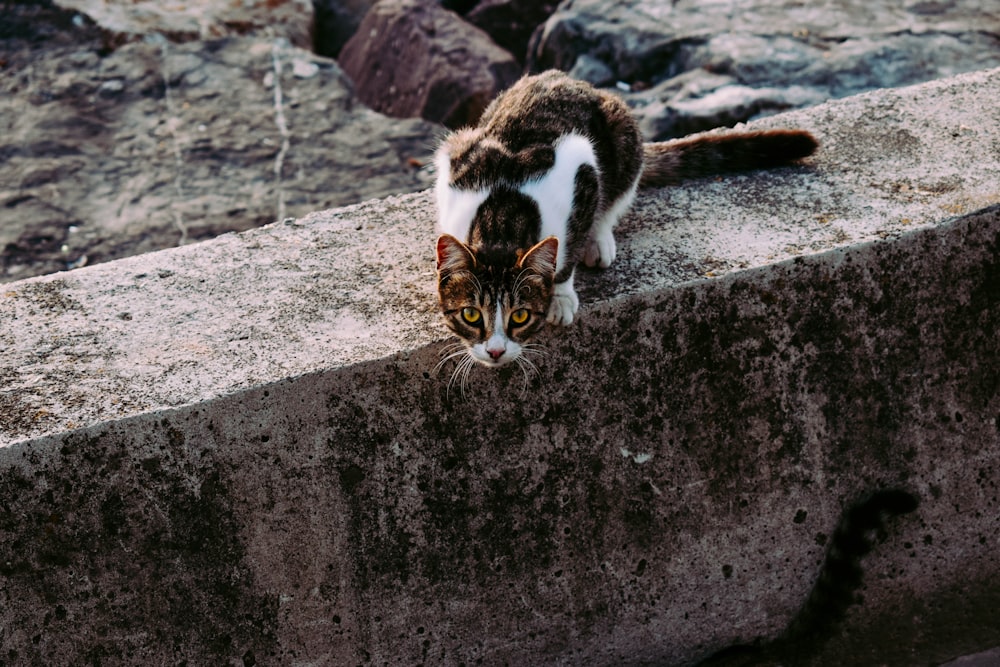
(541, 258)
(452, 254)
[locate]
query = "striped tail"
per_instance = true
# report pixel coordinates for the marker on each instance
(834, 592)
(670, 162)
(841, 574)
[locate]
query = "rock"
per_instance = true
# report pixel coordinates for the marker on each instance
(186, 20)
(336, 21)
(159, 144)
(510, 22)
(774, 55)
(414, 58)
(590, 69)
(699, 100)
(462, 7)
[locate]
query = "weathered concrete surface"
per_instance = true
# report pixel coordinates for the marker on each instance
(241, 450)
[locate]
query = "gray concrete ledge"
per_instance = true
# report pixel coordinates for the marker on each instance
(240, 450)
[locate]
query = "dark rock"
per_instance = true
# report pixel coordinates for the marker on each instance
(460, 6)
(590, 69)
(40, 23)
(510, 22)
(335, 22)
(770, 56)
(415, 58)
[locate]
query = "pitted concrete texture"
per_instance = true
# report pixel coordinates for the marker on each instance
(240, 452)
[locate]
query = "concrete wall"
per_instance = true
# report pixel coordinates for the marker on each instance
(241, 452)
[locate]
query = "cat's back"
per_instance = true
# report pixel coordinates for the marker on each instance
(543, 108)
(518, 134)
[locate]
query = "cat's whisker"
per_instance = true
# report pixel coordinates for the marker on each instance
(534, 348)
(479, 286)
(455, 374)
(528, 363)
(468, 365)
(461, 373)
(527, 368)
(457, 353)
(521, 277)
(451, 348)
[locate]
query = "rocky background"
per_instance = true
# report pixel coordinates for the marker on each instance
(133, 125)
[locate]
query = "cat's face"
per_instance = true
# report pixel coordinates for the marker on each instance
(495, 301)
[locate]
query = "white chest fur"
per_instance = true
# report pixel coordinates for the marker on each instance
(552, 192)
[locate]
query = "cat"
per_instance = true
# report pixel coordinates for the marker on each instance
(835, 588)
(535, 189)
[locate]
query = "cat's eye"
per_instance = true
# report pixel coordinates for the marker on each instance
(520, 316)
(471, 315)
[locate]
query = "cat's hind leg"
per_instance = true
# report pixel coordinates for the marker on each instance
(601, 248)
(564, 303)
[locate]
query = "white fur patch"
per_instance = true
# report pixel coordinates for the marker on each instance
(553, 192)
(564, 304)
(456, 208)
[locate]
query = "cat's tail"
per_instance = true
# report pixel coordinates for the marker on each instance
(669, 162)
(835, 590)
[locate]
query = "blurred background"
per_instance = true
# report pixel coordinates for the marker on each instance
(128, 126)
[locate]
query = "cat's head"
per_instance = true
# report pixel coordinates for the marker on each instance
(495, 300)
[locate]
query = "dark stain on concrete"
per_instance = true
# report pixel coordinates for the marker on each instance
(123, 551)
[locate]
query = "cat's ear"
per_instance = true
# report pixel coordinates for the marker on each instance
(453, 255)
(541, 258)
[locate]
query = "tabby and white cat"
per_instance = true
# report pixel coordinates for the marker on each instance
(537, 187)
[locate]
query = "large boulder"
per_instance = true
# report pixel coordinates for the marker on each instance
(158, 144)
(415, 58)
(738, 59)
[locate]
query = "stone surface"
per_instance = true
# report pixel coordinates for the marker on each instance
(187, 20)
(155, 144)
(772, 55)
(414, 58)
(244, 450)
(510, 22)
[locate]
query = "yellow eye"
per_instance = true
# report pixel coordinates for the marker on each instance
(471, 315)
(519, 316)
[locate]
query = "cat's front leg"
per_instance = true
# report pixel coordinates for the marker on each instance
(601, 248)
(564, 303)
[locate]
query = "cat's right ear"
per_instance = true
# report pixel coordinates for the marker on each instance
(452, 255)
(541, 258)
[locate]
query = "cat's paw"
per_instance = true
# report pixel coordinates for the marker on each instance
(600, 250)
(564, 305)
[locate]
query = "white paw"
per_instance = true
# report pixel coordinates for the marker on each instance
(564, 305)
(600, 250)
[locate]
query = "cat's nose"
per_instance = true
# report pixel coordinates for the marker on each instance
(495, 354)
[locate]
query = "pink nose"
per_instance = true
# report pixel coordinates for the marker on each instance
(495, 354)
